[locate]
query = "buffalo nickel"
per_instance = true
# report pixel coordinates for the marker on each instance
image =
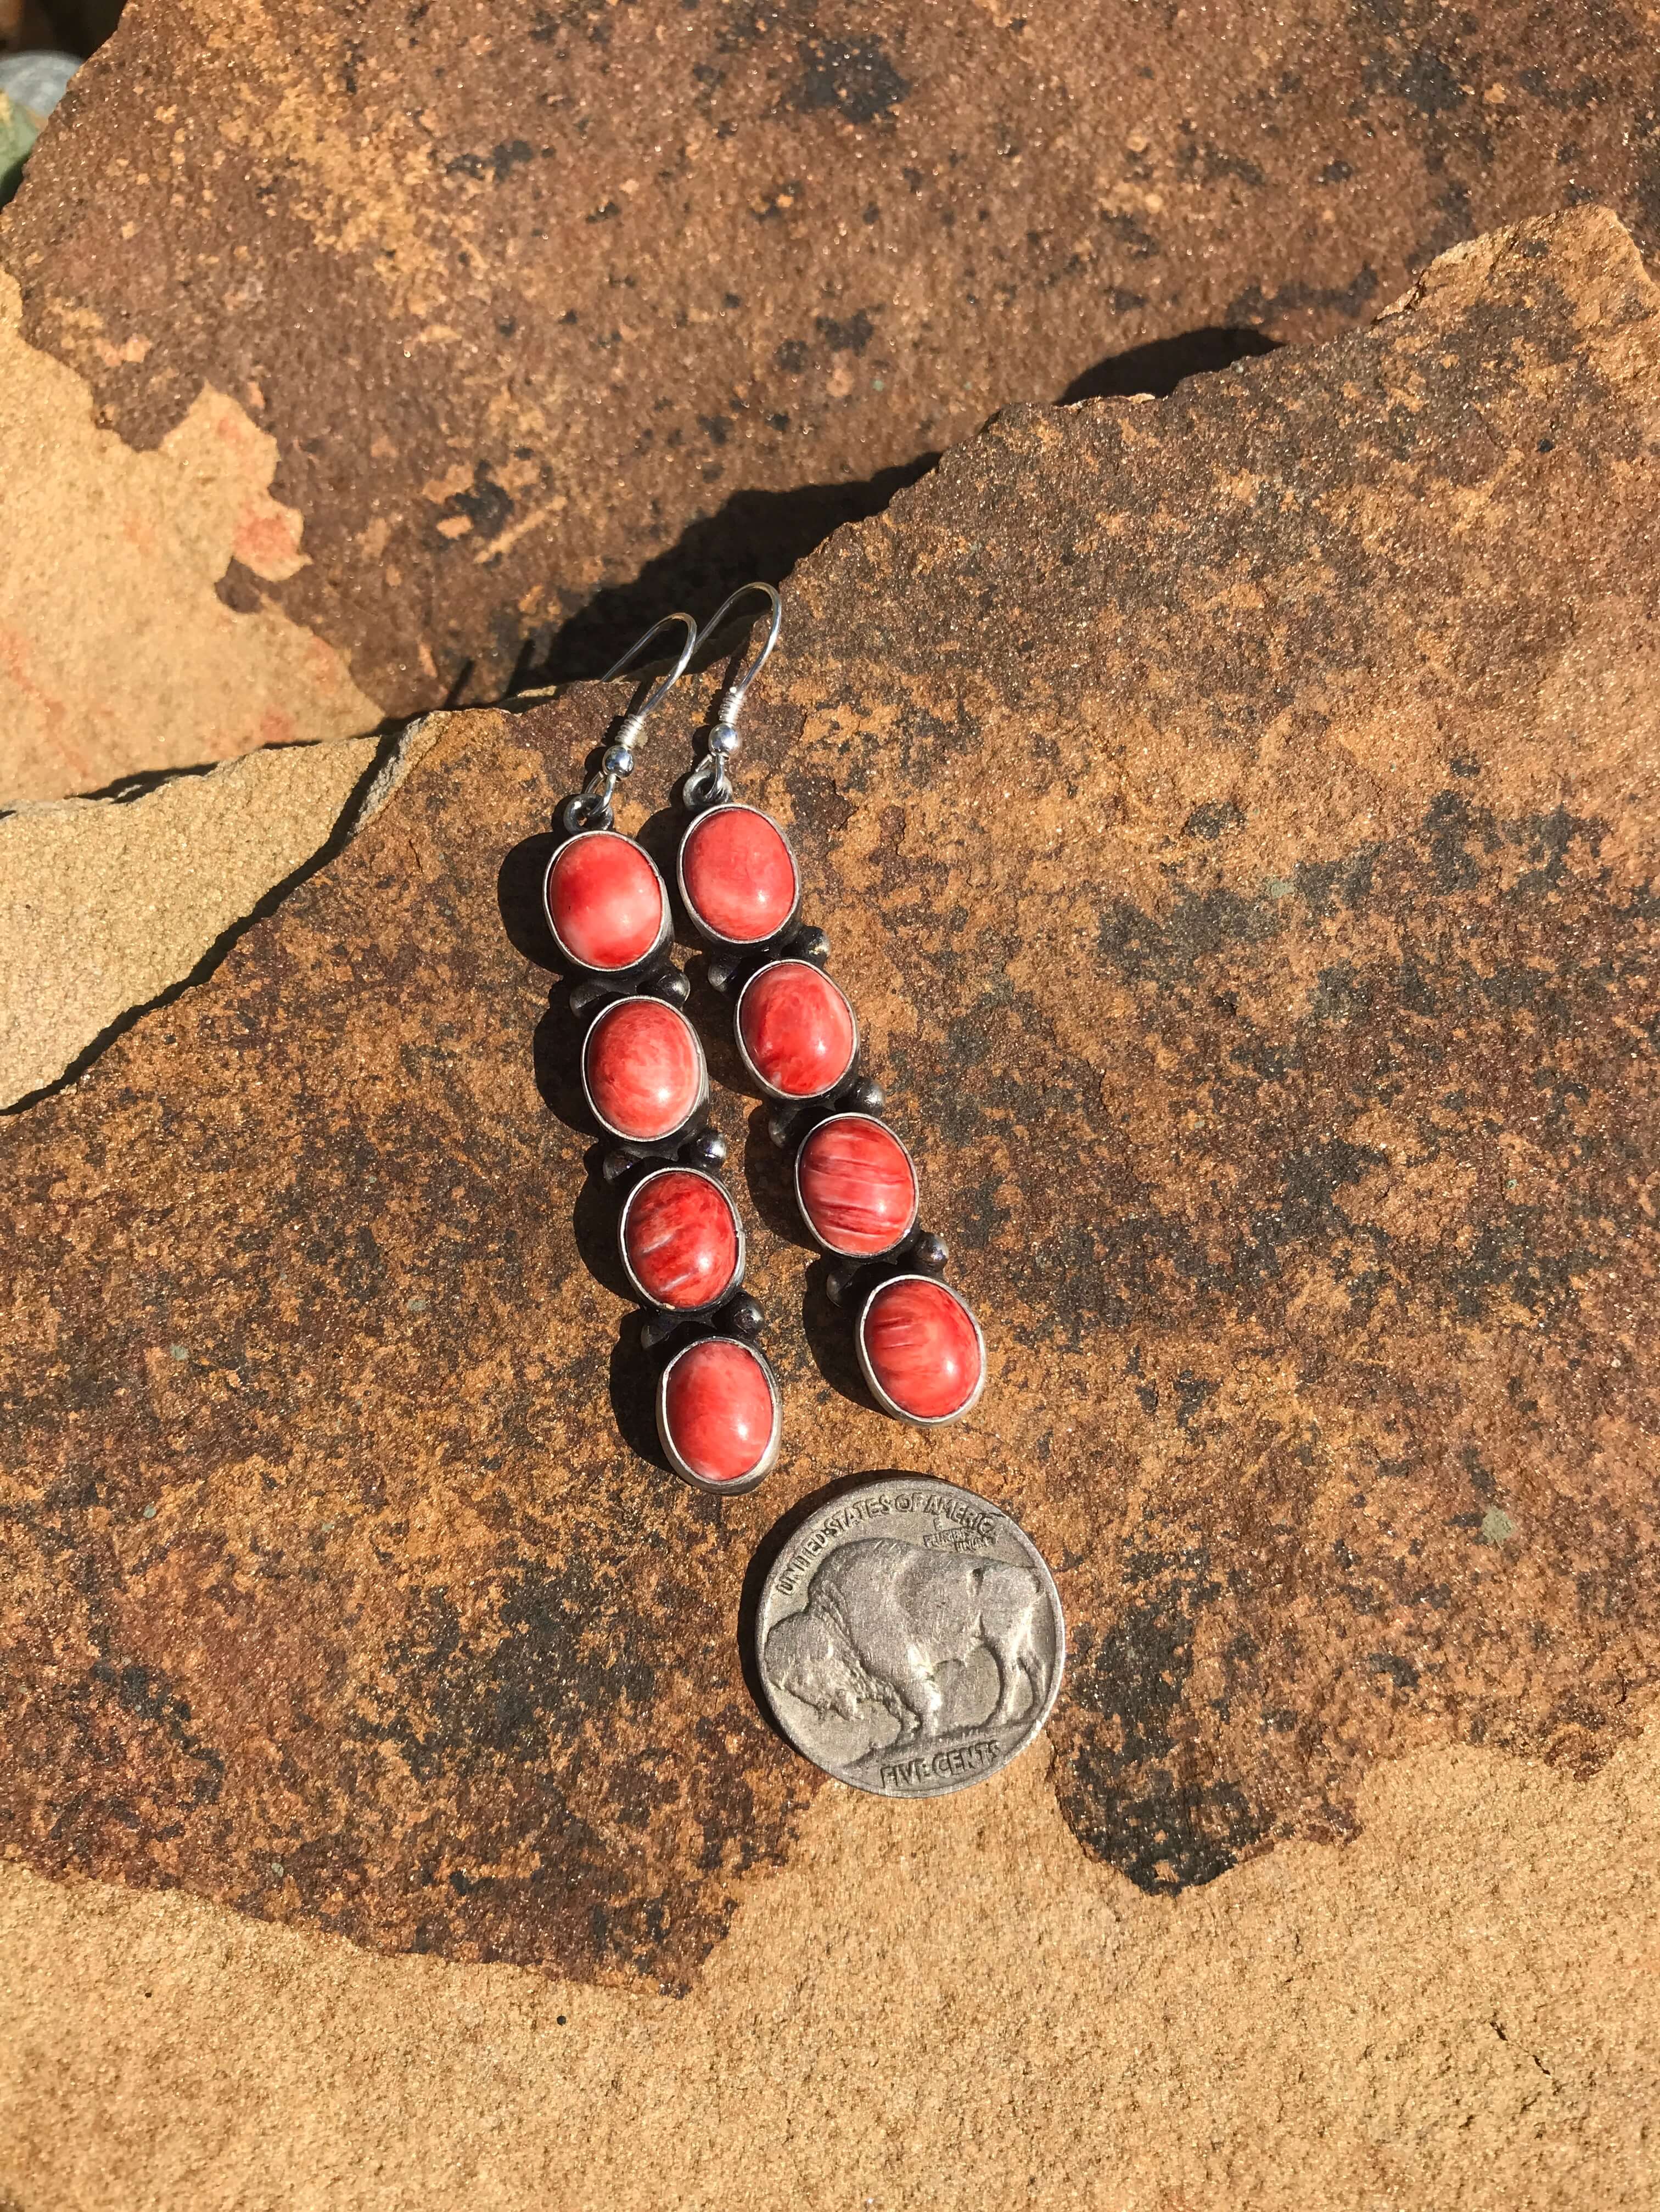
(910, 1637)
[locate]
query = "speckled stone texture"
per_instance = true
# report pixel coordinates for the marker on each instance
(1234, 816)
(531, 299)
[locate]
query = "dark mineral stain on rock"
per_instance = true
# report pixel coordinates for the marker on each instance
(1235, 818)
(854, 76)
(514, 258)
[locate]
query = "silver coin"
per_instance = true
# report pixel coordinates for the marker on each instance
(910, 1637)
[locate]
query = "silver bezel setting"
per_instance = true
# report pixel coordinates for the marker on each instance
(713, 936)
(768, 1458)
(840, 1251)
(792, 1098)
(605, 1012)
(887, 1404)
(737, 1278)
(666, 930)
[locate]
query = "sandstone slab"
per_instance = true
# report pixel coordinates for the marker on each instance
(117, 654)
(1235, 816)
(106, 904)
(551, 321)
(945, 2006)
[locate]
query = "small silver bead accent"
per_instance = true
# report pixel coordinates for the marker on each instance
(619, 761)
(724, 740)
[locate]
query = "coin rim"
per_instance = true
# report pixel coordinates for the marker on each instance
(1035, 1728)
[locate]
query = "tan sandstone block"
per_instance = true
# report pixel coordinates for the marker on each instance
(105, 904)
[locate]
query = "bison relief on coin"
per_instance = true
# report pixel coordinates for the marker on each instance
(910, 1637)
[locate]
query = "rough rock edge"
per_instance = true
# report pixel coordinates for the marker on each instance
(1466, 266)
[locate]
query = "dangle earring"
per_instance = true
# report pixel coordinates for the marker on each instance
(918, 1342)
(719, 1410)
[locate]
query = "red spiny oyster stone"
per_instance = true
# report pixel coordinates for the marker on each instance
(738, 875)
(796, 1029)
(856, 1186)
(919, 1346)
(680, 1235)
(605, 901)
(717, 1411)
(643, 1069)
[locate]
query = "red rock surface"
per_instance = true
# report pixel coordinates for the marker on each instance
(1237, 818)
(540, 301)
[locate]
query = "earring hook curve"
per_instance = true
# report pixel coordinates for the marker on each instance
(709, 784)
(731, 698)
(674, 675)
(591, 808)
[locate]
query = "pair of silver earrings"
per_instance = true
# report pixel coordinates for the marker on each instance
(720, 1411)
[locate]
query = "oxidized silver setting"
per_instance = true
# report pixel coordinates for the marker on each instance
(735, 1281)
(768, 1458)
(888, 1406)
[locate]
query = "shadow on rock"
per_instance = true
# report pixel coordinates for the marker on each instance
(1158, 367)
(754, 534)
(766, 534)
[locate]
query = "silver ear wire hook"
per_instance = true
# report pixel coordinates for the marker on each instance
(709, 784)
(591, 808)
